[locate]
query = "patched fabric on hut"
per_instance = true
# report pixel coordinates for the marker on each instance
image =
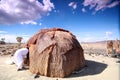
(55, 53)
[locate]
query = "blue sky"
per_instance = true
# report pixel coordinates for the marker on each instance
(89, 20)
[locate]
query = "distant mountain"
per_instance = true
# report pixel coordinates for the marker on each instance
(98, 42)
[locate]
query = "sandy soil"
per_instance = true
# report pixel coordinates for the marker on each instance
(99, 68)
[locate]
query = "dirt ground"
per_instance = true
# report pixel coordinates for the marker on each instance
(99, 68)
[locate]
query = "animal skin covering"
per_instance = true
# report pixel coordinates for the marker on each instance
(19, 56)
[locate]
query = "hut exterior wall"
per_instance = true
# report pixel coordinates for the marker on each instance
(55, 53)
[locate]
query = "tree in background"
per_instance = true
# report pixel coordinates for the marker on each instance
(19, 39)
(2, 41)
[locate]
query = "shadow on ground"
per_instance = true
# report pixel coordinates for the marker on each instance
(92, 68)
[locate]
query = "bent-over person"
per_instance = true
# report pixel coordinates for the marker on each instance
(19, 57)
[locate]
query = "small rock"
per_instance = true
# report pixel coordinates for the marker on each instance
(118, 61)
(36, 76)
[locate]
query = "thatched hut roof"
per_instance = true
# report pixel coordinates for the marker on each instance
(55, 52)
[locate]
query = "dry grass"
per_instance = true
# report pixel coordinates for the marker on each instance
(8, 48)
(99, 67)
(94, 48)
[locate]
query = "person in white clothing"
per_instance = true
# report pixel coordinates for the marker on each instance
(19, 57)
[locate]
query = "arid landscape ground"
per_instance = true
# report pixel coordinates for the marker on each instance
(99, 66)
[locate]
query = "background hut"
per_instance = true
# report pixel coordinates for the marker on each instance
(55, 53)
(117, 46)
(109, 47)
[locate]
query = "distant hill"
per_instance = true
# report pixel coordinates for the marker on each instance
(103, 42)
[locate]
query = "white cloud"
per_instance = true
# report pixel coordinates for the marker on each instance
(29, 22)
(25, 38)
(73, 5)
(48, 14)
(83, 10)
(85, 38)
(100, 4)
(48, 5)
(91, 38)
(113, 4)
(11, 38)
(17, 11)
(56, 11)
(3, 32)
(40, 24)
(88, 39)
(108, 34)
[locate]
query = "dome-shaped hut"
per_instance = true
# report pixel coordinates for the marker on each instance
(55, 53)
